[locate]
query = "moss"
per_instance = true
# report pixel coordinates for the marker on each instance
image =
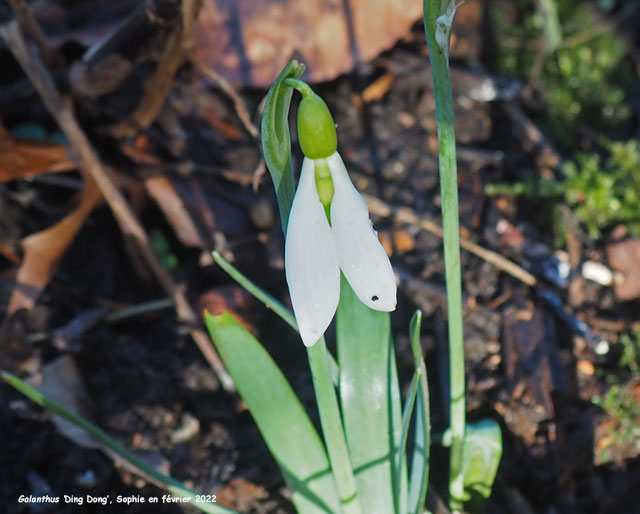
(584, 77)
(604, 193)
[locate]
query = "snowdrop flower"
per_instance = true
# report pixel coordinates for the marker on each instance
(329, 230)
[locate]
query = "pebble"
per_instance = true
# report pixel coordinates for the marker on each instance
(189, 427)
(597, 272)
(585, 367)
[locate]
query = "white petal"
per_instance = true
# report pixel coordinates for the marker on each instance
(362, 258)
(311, 263)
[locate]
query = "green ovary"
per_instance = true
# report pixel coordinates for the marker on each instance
(316, 128)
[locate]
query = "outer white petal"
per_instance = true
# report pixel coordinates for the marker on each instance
(362, 258)
(311, 263)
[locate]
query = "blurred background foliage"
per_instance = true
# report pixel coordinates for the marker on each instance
(573, 57)
(606, 191)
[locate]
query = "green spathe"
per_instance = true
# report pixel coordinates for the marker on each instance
(316, 128)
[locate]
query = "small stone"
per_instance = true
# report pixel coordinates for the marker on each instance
(86, 479)
(261, 214)
(585, 367)
(624, 257)
(493, 346)
(602, 347)
(189, 428)
(405, 119)
(597, 272)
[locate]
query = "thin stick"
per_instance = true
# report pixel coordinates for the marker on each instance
(26, 19)
(409, 216)
(159, 85)
(92, 166)
(227, 88)
(156, 89)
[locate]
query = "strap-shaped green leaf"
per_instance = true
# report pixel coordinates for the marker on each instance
(419, 476)
(283, 422)
(371, 405)
(276, 140)
(407, 412)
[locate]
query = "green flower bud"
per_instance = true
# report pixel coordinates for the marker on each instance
(316, 128)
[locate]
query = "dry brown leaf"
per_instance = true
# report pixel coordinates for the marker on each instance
(230, 299)
(21, 158)
(249, 41)
(403, 241)
(226, 129)
(624, 257)
(378, 88)
(60, 380)
(167, 198)
(241, 494)
(43, 251)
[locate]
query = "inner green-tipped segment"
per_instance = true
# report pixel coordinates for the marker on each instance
(324, 185)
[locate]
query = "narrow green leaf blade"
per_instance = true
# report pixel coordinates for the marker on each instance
(407, 412)
(370, 399)
(419, 474)
(419, 477)
(161, 480)
(269, 301)
(283, 422)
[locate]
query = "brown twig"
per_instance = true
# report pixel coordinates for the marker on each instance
(93, 167)
(227, 88)
(406, 215)
(159, 84)
(156, 89)
(26, 19)
(533, 138)
(258, 173)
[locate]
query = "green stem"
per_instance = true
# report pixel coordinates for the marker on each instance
(303, 88)
(450, 225)
(332, 428)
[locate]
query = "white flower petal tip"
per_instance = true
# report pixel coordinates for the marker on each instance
(362, 258)
(311, 264)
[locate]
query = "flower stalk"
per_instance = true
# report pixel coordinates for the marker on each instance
(438, 17)
(332, 428)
